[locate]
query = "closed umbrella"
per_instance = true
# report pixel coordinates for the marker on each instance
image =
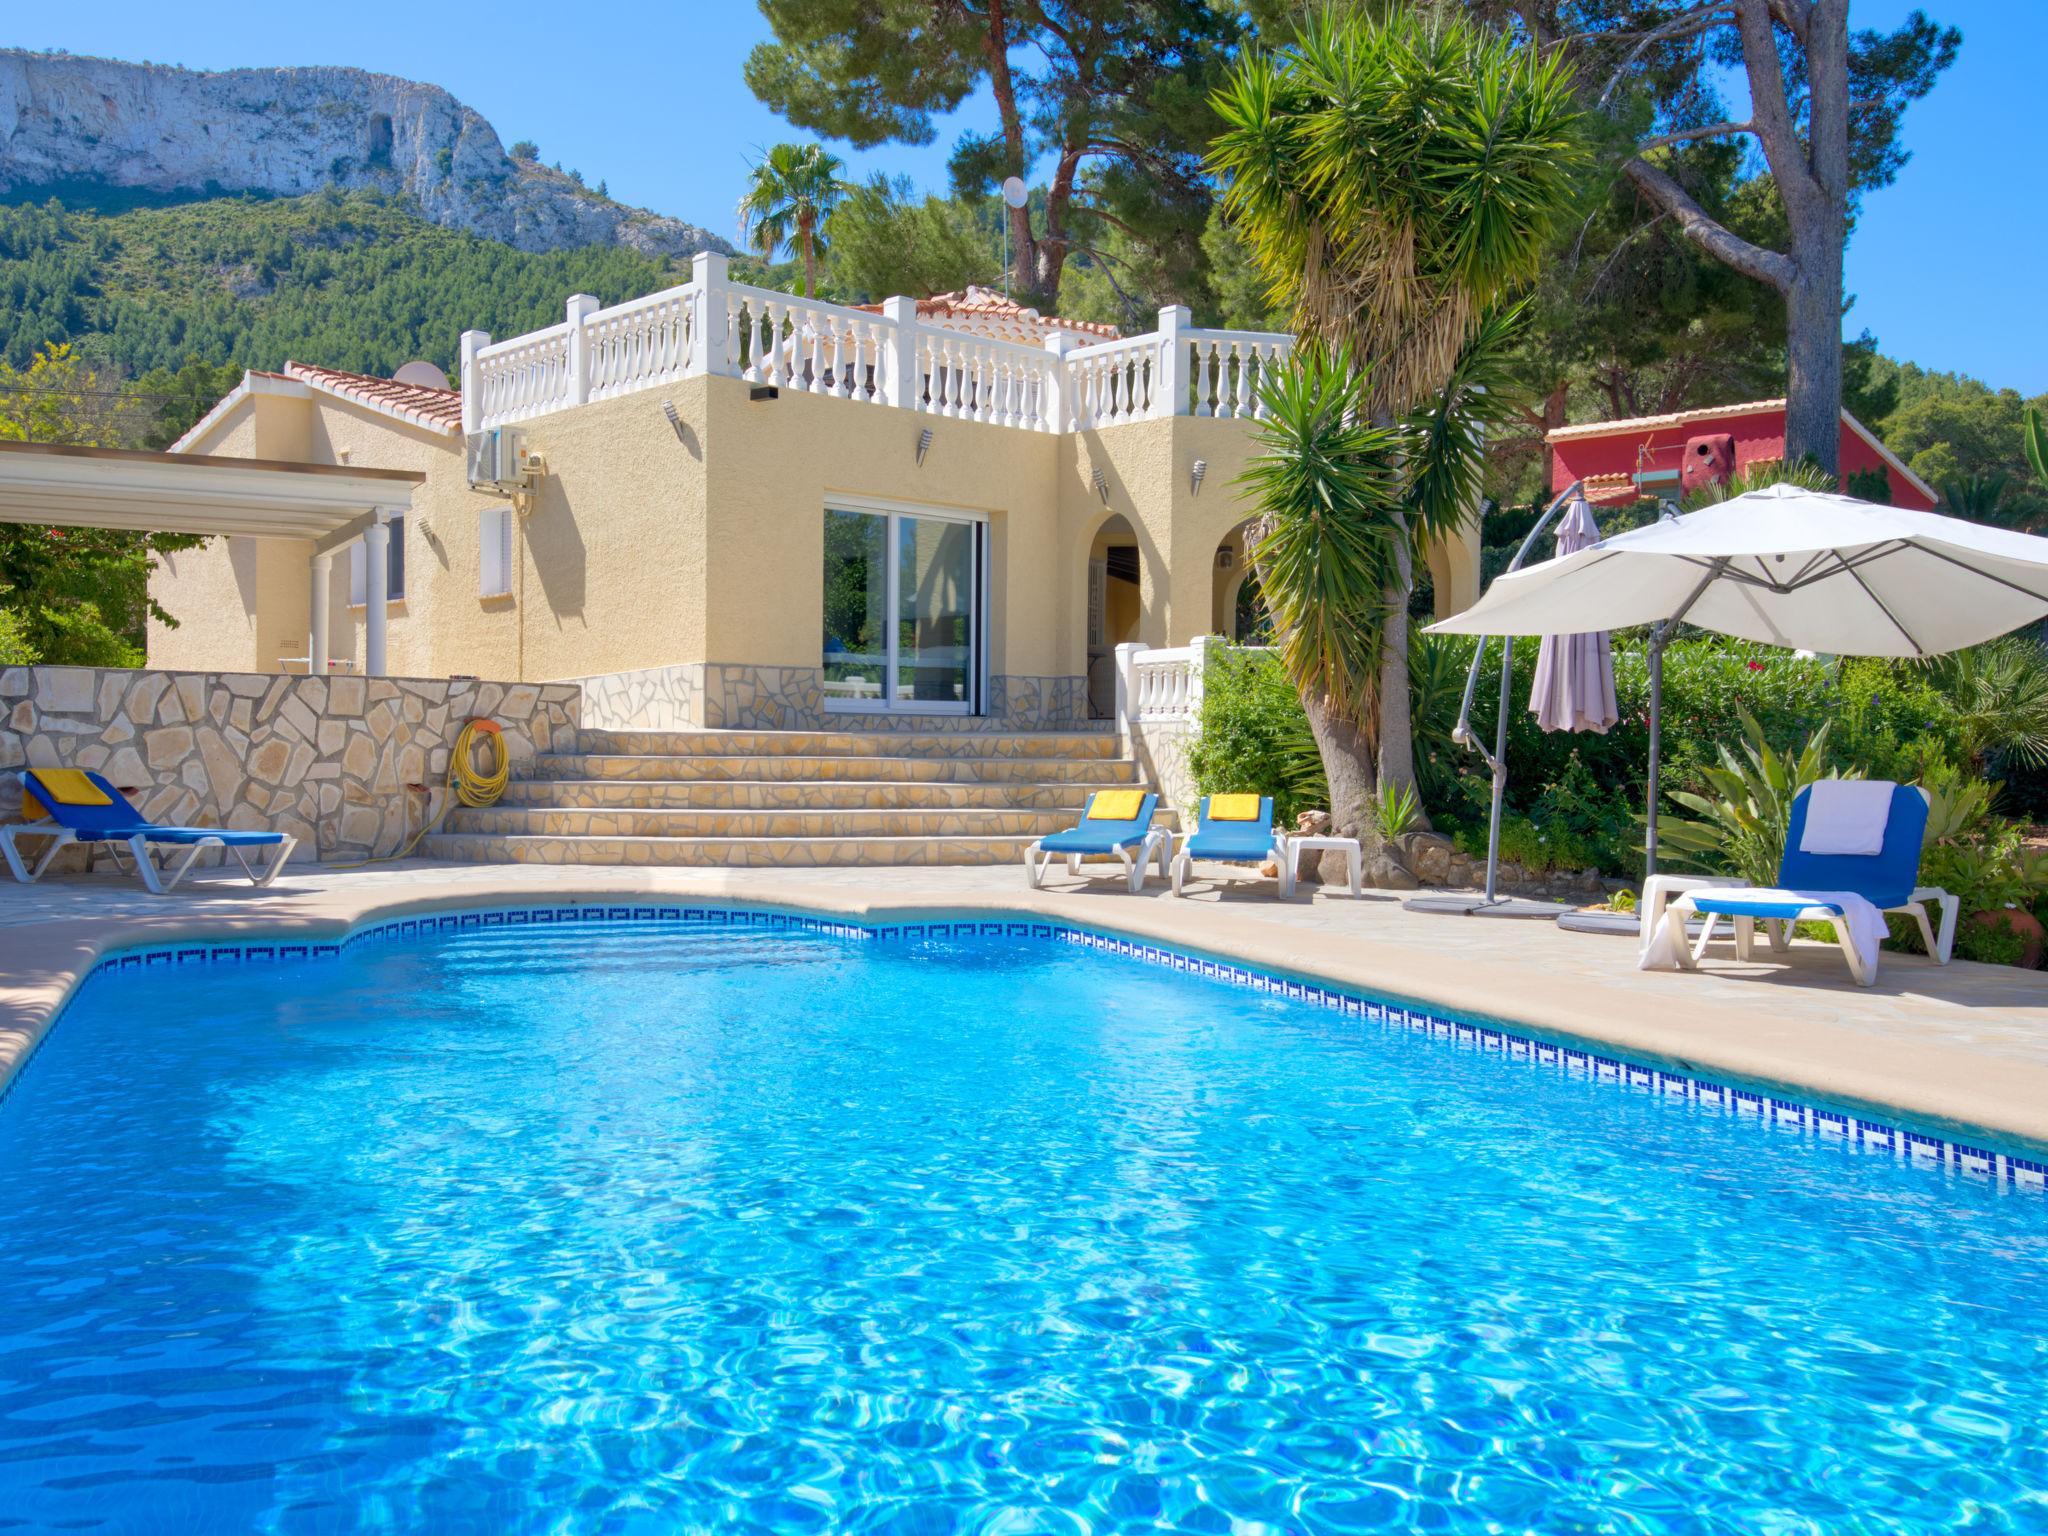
(1803, 569)
(1574, 685)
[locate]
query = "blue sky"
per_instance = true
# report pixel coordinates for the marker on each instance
(1947, 266)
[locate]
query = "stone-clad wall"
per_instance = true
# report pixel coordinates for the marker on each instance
(717, 696)
(327, 759)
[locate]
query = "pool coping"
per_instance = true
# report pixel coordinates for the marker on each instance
(1959, 1111)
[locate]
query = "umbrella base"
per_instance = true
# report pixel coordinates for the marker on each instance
(1620, 924)
(1475, 905)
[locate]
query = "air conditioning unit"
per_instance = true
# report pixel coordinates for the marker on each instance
(498, 461)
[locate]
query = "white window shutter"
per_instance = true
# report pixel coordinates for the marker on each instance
(356, 591)
(494, 552)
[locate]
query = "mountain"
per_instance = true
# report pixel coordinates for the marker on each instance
(67, 121)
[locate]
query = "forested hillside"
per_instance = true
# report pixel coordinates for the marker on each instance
(354, 280)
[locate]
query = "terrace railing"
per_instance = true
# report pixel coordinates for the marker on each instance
(712, 325)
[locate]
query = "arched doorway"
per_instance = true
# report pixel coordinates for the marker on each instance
(1115, 608)
(1235, 609)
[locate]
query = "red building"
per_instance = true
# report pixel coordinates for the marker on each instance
(1660, 455)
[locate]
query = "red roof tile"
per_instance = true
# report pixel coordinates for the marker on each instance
(984, 312)
(440, 409)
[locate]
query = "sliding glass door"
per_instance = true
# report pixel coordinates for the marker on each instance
(903, 611)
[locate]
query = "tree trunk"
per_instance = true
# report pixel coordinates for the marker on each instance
(1347, 764)
(996, 50)
(1396, 766)
(1813, 382)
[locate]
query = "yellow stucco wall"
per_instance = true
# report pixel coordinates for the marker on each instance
(646, 547)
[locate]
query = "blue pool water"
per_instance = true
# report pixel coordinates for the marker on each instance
(668, 1229)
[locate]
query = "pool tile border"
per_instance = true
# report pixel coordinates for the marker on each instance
(1818, 1122)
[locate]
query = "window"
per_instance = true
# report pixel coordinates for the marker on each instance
(394, 567)
(903, 611)
(494, 553)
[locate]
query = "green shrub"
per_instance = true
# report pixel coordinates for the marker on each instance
(15, 649)
(1254, 736)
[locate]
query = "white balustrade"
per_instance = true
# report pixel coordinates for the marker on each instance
(1228, 368)
(526, 376)
(641, 343)
(1114, 381)
(714, 326)
(1163, 684)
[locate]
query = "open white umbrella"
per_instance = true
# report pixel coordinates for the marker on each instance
(1574, 685)
(1803, 569)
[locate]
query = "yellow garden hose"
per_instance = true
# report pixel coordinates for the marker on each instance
(465, 783)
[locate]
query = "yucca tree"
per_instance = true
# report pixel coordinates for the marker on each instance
(790, 191)
(1396, 178)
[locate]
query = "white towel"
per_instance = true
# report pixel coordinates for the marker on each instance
(1847, 816)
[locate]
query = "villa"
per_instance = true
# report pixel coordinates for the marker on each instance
(724, 507)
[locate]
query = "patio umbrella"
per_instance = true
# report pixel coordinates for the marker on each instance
(1791, 567)
(1574, 685)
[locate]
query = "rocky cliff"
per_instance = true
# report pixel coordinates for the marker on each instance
(292, 131)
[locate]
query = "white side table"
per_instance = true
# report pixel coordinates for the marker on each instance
(1348, 846)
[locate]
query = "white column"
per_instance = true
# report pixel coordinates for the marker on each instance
(581, 307)
(707, 313)
(1170, 383)
(1059, 395)
(376, 587)
(316, 612)
(473, 342)
(1127, 685)
(902, 382)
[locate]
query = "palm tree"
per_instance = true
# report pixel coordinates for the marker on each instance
(790, 191)
(1395, 180)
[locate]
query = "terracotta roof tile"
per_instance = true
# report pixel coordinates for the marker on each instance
(984, 312)
(440, 409)
(1654, 423)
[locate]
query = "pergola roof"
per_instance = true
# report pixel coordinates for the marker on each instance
(195, 493)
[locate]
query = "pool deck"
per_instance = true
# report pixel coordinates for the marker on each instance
(1962, 1047)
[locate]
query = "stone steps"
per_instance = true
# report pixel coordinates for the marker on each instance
(935, 744)
(798, 794)
(870, 822)
(790, 798)
(807, 768)
(726, 852)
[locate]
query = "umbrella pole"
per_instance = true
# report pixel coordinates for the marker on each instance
(1660, 635)
(1500, 765)
(1657, 638)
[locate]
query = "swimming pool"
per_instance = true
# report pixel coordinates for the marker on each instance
(681, 1226)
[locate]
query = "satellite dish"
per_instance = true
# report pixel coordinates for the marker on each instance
(1015, 193)
(425, 375)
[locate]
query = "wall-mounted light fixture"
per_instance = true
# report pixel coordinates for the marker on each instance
(675, 421)
(1225, 559)
(1101, 484)
(924, 445)
(1195, 474)
(763, 392)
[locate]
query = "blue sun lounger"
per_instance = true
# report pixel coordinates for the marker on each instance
(1231, 829)
(1114, 822)
(81, 807)
(1887, 879)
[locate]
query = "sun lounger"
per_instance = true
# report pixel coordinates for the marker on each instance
(80, 807)
(1114, 822)
(1234, 829)
(1850, 892)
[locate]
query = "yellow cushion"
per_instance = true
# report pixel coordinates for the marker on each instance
(1233, 807)
(1115, 804)
(71, 786)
